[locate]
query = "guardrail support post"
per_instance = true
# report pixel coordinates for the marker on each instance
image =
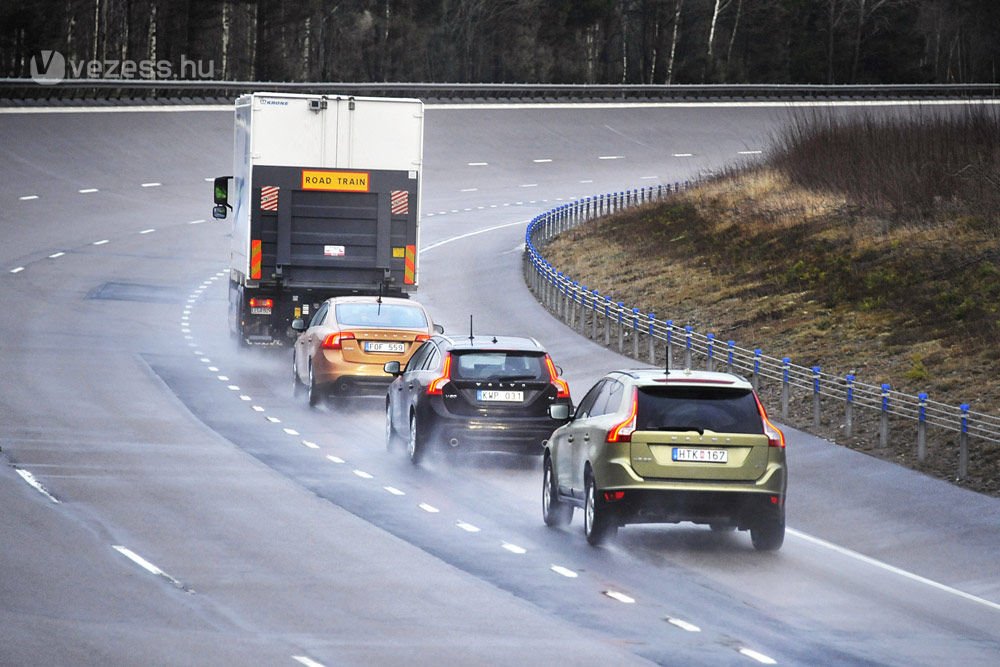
(849, 407)
(607, 320)
(883, 430)
(710, 356)
(816, 376)
(652, 339)
(670, 344)
(963, 443)
(922, 427)
(621, 327)
(729, 355)
(785, 365)
(574, 290)
(635, 333)
(687, 346)
(583, 310)
(559, 295)
(755, 378)
(593, 315)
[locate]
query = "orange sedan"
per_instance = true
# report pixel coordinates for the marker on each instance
(348, 341)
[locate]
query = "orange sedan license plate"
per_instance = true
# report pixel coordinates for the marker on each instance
(393, 348)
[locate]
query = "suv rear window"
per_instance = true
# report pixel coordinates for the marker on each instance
(393, 316)
(498, 365)
(722, 410)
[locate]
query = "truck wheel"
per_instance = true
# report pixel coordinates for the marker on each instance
(598, 525)
(555, 512)
(315, 396)
(415, 445)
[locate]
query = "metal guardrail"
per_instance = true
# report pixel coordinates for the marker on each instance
(26, 91)
(641, 335)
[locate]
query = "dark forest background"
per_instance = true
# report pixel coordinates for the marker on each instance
(534, 41)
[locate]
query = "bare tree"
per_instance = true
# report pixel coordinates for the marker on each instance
(678, 11)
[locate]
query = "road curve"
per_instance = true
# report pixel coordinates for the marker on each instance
(166, 501)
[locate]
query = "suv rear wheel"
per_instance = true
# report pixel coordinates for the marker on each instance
(555, 512)
(768, 533)
(598, 525)
(415, 445)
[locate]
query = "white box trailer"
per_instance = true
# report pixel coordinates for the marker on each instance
(325, 198)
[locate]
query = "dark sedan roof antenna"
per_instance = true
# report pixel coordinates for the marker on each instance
(472, 339)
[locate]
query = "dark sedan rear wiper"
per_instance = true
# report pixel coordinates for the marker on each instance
(699, 429)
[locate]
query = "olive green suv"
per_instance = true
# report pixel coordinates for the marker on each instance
(645, 446)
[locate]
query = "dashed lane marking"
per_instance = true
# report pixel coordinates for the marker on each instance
(683, 625)
(146, 565)
(759, 657)
(564, 571)
(35, 484)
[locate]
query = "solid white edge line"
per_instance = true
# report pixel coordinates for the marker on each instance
(35, 484)
(891, 568)
(759, 657)
(475, 233)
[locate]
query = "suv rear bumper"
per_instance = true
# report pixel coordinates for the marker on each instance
(740, 510)
(526, 435)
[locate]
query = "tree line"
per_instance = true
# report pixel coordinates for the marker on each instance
(532, 41)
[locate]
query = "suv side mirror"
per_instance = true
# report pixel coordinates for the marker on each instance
(438, 329)
(392, 368)
(559, 411)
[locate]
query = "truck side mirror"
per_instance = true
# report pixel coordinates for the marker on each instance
(221, 187)
(221, 197)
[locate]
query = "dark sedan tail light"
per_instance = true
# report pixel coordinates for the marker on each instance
(435, 388)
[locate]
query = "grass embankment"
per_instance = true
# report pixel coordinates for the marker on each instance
(861, 246)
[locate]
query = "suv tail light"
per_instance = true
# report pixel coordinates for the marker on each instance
(562, 388)
(775, 438)
(436, 385)
(622, 432)
(334, 340)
